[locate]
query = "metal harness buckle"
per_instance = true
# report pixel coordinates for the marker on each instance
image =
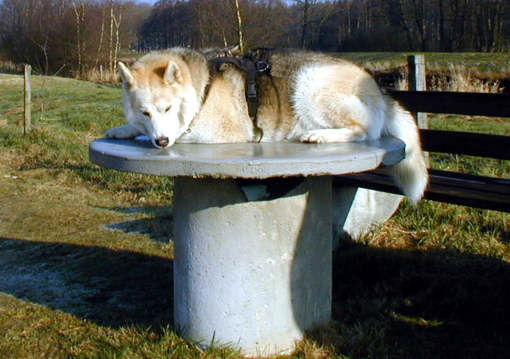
(262, 66)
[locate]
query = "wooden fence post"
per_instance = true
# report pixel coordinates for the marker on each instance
(418, 82)
(27, 119)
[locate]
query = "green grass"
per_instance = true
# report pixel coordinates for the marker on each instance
(471, 164)
(86, 255)
(490, 64)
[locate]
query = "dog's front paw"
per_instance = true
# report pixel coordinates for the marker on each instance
(111, 133)
(126, 131)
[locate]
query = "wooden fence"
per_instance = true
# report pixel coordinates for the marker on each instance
(449, 186)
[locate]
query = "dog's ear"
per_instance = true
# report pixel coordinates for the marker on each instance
(125, 74)
(172, 73)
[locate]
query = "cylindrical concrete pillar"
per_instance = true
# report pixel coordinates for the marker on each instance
(252, 274)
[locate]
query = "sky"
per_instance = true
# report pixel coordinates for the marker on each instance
(151, 2)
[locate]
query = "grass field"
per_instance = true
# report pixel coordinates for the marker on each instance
(86, 255)
(491, 65)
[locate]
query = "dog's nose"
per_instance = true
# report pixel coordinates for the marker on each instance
(162, 141)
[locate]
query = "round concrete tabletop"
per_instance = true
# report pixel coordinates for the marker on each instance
(245, 160)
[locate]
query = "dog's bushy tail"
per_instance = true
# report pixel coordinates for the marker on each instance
(411, 174)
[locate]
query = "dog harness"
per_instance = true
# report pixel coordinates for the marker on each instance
(252, 68)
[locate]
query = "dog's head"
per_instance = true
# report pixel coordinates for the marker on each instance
(159, 99)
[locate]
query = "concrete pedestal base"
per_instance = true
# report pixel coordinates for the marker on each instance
(252, 274)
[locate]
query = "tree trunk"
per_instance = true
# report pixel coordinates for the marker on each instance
(110, 47)
(79, 16)
(304, 29)
(117, 22)
(101, 37)
(239, 26)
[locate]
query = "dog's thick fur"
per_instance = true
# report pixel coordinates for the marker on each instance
(171, 96)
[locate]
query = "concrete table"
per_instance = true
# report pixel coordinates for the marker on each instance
(250, 270)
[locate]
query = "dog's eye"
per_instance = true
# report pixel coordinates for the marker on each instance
(146, 113)
(168, 108)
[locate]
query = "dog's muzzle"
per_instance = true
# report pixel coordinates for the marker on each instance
(162, 141)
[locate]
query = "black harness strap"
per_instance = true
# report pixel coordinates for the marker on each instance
(251, 69)
(251, 88)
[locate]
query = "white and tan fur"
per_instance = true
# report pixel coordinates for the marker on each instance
(171, 96)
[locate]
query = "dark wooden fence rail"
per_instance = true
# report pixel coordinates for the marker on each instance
(448, 186)
(466, 143)
(460, 103)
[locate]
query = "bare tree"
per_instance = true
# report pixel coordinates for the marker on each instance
(304, 28)
(41, 36)
(415, 21)
(79, 12)
(239, 25)
(110, 48)
(490, 19)
(79, 34)
(101, 36)
(117, 21)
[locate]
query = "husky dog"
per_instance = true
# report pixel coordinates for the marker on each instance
(173, 96)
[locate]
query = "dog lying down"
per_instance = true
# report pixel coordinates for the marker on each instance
(173, 96)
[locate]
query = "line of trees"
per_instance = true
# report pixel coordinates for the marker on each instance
(68, 36)
(336, 25)
(74, 36)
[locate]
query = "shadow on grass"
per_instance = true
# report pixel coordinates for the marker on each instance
(386, 303)
(158, 227)
(110, 287)
(418, 304)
